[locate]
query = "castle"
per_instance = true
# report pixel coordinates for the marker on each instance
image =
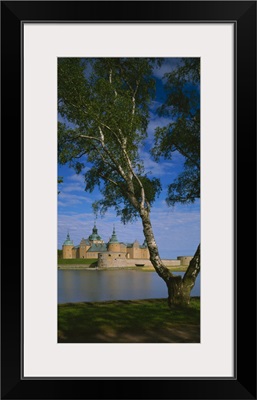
(114, 253)
(93, 245)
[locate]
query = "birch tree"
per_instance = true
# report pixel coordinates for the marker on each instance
(182, 134)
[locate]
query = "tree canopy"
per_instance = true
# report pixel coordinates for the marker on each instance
(104, 104)
(182, 134)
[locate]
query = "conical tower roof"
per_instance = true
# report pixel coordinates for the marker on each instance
(68, 242)
(114, 238)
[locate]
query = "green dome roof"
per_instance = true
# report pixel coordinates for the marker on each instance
(94, 235)
(68, 242)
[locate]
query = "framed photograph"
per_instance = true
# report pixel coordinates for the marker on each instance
(202, 57)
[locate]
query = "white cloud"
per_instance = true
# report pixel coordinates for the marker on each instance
(78, 177)
(157, 169)
(69, 190)
(165, 168)
(155, 122)
(68, 199)
(75, 187)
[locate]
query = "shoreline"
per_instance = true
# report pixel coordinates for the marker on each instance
(84, 267)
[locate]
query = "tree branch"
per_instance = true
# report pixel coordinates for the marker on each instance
(90, 137)
(142, 204)
(193, 269)
(109, 179)
(110, 80)
(185, 154)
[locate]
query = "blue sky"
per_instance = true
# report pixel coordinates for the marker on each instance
(177, 229)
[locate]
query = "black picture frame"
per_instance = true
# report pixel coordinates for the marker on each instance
(243, 15)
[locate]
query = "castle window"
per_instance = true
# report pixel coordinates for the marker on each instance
(109, 255)
(119, 255)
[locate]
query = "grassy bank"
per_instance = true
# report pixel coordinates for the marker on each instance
(77, 261)
(93, 266)
(137, 321)
(173, 268)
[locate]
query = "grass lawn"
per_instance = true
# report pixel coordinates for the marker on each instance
(132, 321)
(76, 261)
(173, 268)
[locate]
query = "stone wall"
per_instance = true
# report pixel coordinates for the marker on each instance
(83, 251)
(113, 259)
(185, 260)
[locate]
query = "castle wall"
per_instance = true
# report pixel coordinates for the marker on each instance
(185, 260)
(135, 252)
(145, 253)
(92, 255)
(130, 252)
(75, 253)
(83, 251)
(113, 259)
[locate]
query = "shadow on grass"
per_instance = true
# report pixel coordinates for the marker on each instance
(141, 321)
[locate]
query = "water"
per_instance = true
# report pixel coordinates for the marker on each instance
(79, 286)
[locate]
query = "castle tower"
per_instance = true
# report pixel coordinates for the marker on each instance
(94, 237)
(83, 248)
(67, 247)
(114, 244)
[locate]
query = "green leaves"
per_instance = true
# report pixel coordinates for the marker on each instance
(186, 188)
(182, 105)
(104, 106)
